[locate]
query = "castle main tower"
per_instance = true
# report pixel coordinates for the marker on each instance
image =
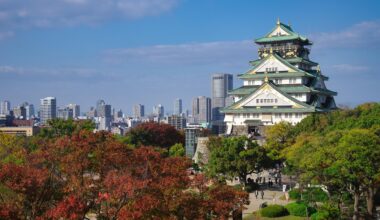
(282, 85)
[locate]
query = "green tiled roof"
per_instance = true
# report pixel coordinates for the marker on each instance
(292, 35)
(290, 60)
(273, 87)
(245, 90)
(279, 58)
(274, 75)
(269, 110)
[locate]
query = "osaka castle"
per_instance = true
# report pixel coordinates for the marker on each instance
(282, 85)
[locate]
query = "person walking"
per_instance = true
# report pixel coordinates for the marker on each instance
(256, 193)
(262, 194)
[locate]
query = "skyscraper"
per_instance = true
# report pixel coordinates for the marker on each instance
(159, 111)
(202, 109)
(178, 106)
(19, 112)
(220, 85)
(138, 111)
(99, 103)
(76, 110)
(29, 110)
(48, 109)
(5, 107)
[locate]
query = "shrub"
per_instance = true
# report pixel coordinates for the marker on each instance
(320, 215)
(273, 211)
(295, 194)
(316, 194)
(310, 194)
(299, 209)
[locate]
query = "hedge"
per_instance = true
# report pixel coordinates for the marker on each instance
(320, 215)
(299, 209)
(315, 194)
(273, 211)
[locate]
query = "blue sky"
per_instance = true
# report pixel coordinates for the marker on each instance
(153, 51)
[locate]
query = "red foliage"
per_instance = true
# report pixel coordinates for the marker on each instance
(72, 176)
(155, 134)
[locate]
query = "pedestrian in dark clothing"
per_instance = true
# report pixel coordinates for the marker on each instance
(256, 193)
(262, 194)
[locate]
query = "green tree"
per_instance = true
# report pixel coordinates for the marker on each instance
(177, 150)
(236, 157)
(277, 138)
(60, 127)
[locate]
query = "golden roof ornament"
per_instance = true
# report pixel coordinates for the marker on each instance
(266, 79)
(271, 50)
(278, 21)
(318, 68)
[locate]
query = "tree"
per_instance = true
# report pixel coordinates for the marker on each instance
(85, 173)
(60, 127)
(236, 157)
(177, 150)
(277, 138)
(155, 134)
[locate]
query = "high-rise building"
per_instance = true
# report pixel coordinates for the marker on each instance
(91, 113)
(284, 84)
(5, 107)
(202, 109)
(177, 121)
(76, 110)
(221, 84)
(65, 113)
(158, 111)
(138, 111)
(29, 110)
(99, 103)
(104, 111)
(19, 112)
(178, 106)
(48, 109)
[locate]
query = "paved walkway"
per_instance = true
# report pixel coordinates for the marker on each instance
(271, 196)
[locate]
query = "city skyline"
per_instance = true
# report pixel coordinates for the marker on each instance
(160, 51)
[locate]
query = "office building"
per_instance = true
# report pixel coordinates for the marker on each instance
(177, 107)
(201, 109)
(65, 113)
(76, 110)
(5, 107)
(19, 112)
(177, 121)
(29, 110)
(221, 84)
(138, 111)
(48, 109)
(158, 111)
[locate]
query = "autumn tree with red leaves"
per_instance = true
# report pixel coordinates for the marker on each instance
(93, 173)
(155, 134)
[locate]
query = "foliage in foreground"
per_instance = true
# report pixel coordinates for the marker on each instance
(299, 209)
(235, 157)
(71, 176)
(273, 211)
(341, 151)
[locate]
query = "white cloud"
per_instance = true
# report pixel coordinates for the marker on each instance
(48, 13)
(51, 74)
(350, 68)
(221, 53)
(5, 34)
(365, 34)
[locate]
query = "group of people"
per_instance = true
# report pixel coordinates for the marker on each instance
(261, 193)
